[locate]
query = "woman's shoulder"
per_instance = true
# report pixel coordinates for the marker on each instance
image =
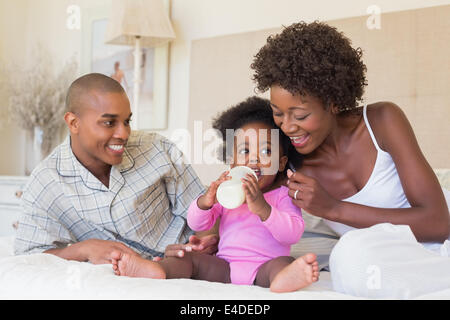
(385, 118)
(384, 111)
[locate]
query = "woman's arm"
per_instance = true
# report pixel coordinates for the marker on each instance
(428, 216)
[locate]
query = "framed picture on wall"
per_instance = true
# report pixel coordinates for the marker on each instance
(117, 61)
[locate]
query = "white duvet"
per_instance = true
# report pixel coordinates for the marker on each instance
(44, 276)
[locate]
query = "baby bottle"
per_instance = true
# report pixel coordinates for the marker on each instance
(230, 193)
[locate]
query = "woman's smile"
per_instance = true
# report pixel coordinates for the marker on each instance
(300, 141)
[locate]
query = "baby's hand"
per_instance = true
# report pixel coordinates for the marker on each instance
(206, 201)
(255, 198)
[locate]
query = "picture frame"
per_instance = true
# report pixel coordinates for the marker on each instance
(96, 56)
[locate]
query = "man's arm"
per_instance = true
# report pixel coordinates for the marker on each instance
(92, 250)
(182, 183)
(40, 229)
(71, 252)
(183, 187)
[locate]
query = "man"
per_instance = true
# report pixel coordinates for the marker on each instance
(105, 188)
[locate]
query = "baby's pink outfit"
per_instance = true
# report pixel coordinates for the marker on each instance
(246, 242)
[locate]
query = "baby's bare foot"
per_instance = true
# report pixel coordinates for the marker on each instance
(297, 275)
(115, 262)
(134, 266)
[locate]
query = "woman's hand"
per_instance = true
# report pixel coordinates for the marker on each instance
(206, 244)
(308, 194)
(206, 201)
(255, 198)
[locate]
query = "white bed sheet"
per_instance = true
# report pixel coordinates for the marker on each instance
(44, 276)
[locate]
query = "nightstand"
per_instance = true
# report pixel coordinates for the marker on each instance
(10, 208)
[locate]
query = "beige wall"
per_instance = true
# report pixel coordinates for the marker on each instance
(13, 25)
(25, 22)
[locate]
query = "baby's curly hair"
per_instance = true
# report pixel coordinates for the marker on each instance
(253, 109)
(312, 58)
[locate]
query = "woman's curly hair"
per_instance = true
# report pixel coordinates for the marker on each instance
(312, 58)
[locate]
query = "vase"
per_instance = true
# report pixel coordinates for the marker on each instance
(33, 149)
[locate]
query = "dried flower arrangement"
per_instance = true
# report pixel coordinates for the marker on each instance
(37, 96)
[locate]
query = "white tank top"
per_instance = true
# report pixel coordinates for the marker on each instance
(382, 190)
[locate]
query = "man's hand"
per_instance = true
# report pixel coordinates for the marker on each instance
(206, 244)
(92, 250)
(99, 251)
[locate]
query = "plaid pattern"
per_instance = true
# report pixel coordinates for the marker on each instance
(145, 206)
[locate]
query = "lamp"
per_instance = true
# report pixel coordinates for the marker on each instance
(142, 24)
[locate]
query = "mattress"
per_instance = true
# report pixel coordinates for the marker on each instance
(45, 276)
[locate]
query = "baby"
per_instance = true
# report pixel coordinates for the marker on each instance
(255, 238)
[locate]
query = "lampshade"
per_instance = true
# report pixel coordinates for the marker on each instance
(147, 19)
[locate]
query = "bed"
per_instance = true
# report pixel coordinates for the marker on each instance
(44, 276)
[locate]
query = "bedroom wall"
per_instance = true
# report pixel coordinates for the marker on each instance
(11, 18)
(25, 22)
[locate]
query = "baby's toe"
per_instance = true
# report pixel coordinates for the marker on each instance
(310, 258)
(116, 255)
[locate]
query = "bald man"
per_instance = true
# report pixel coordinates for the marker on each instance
(106, 188)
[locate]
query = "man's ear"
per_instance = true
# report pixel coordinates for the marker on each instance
(72, 122)
(283, 163)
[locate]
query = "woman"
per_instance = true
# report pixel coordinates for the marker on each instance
(362, 166)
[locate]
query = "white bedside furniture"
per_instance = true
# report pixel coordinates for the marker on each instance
(10, 209)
